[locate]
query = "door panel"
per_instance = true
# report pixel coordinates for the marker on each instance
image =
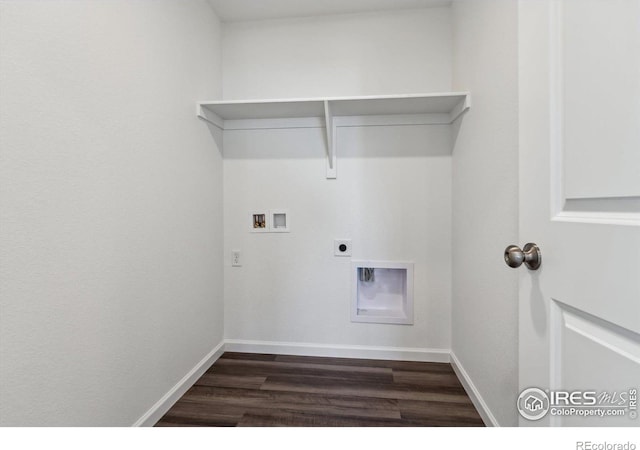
(580, 199)
(599, 81)
(589, 353)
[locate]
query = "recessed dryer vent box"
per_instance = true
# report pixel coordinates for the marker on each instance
(382, 292)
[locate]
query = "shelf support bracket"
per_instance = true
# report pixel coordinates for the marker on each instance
(460, 109)
(209, 116)
(331, 136)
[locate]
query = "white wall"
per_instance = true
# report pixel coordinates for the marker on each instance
(391, 197)
(344, 55)
(485, 202)
(110, 206)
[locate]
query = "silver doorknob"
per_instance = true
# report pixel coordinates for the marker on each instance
(530, 256)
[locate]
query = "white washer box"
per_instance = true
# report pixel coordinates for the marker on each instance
(259, 222)
(271, 221)
(382, 292)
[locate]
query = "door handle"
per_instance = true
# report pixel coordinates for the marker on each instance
(530, 256)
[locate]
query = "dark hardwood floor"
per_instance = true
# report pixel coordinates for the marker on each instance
(255, 390)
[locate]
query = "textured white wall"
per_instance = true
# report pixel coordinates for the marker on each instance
(485, 201)
(110, 206)
(391, 197)
(360, 54)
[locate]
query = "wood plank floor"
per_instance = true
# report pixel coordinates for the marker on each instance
(256, 390)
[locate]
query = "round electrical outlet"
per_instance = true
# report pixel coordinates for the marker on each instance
(342, 247)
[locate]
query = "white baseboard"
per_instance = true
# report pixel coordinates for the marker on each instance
(339, 351)
(163, 405)
(485, 413)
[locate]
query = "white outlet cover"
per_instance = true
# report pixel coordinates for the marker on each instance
(236, 260)
(336, 247)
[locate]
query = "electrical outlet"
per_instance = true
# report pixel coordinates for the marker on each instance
(235, 258)
(342, 247)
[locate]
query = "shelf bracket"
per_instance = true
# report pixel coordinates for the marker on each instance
(209, 116)
(331, 136)
(461, 108)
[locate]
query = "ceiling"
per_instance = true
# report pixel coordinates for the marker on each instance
(240, 10)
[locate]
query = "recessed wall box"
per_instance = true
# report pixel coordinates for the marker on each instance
(382, 292)
(279, 219)
(259, 222)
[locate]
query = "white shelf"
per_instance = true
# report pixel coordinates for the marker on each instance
(266, 109)
(401, 104)
(440, 103)
(333, 112)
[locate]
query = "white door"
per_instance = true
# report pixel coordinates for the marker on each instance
(580, 203)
